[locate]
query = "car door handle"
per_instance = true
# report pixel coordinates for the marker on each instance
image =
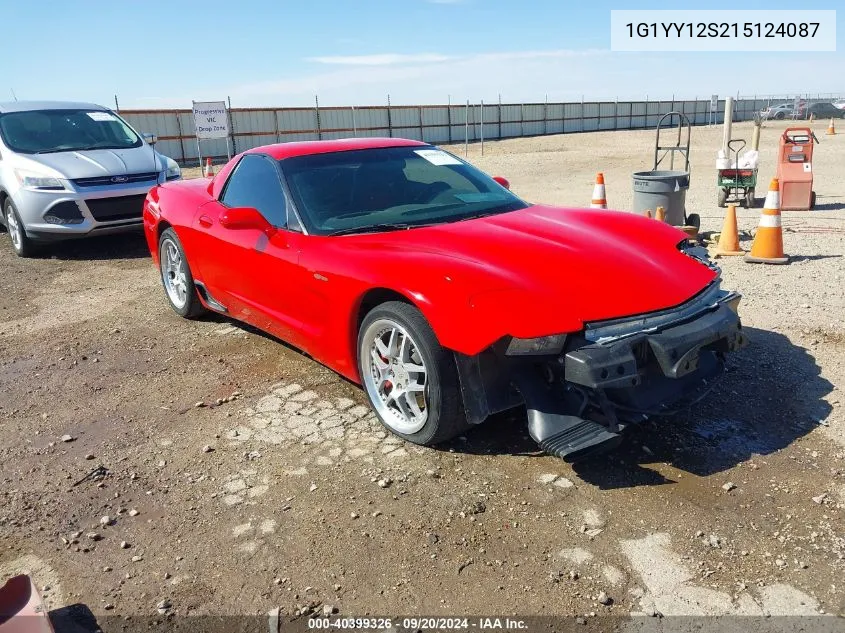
(205, 221)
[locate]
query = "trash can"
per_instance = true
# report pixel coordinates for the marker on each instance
(667, 189)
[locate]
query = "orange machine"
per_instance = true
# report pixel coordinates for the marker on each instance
(795, 169)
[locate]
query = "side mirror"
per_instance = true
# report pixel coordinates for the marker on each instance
(151, 139)
(239, 218)
(502, 181)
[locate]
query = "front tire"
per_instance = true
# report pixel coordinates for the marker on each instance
(22, 245)
(410, 380)
(176, 276)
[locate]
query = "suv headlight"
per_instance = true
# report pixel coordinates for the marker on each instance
(536, 346)
(172, 170)
(38, 182)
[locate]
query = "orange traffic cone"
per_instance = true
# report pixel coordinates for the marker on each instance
(647, 213)
(208, 172)
(599, 199)
(831, 129)
(729, 238)
(660, 214)
(767, 247)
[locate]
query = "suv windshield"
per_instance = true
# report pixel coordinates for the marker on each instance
(45, 131)
(390, 188)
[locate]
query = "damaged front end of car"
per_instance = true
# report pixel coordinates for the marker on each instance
(582, 390)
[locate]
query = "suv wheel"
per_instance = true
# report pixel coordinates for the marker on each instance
(17, 233)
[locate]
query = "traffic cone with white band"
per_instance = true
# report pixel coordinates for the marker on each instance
(208, 172)
(831, 129)
(599, 197)
(767, 247)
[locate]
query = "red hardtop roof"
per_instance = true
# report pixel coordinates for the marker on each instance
(302, 148)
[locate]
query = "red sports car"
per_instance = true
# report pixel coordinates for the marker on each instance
(409, 271)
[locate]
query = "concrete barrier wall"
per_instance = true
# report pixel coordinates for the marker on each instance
(437, 124)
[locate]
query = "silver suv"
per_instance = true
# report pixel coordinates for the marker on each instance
(72, 170)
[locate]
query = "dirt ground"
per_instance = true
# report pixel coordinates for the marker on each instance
(229, 474)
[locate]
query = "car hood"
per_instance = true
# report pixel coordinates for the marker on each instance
(588, 265)
(100, 162)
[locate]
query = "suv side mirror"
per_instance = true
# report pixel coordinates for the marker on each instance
(502, 181)
(240, 218)
(151, 139)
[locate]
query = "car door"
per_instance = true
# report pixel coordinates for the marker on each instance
(247, 265)
(226, 253)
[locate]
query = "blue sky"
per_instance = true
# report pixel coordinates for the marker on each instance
(159, 53)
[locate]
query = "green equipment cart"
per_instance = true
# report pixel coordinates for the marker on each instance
(736, 185)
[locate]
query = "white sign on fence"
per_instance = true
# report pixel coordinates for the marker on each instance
(714, 103)
(211, 119)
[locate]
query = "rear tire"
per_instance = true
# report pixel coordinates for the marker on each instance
(410, 380)
(22, 245)
(176, 277)
(722, 197)
(750, 200)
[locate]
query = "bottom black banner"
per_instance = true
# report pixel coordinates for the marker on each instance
(78, 619)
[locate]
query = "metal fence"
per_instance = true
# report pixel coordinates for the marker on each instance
(439, 124)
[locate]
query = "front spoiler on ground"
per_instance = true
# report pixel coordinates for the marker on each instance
(579, 401)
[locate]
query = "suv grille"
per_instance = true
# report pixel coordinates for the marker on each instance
(105, 181)
(118, 208)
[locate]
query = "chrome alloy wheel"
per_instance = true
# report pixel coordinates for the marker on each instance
(173, 272)
(394, 375)
(14, 228)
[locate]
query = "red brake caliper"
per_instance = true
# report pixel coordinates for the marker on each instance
(388, 386)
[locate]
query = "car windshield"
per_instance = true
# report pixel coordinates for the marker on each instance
(46, 131)
(390, 188)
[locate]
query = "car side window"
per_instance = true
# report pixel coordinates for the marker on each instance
(255, 183)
